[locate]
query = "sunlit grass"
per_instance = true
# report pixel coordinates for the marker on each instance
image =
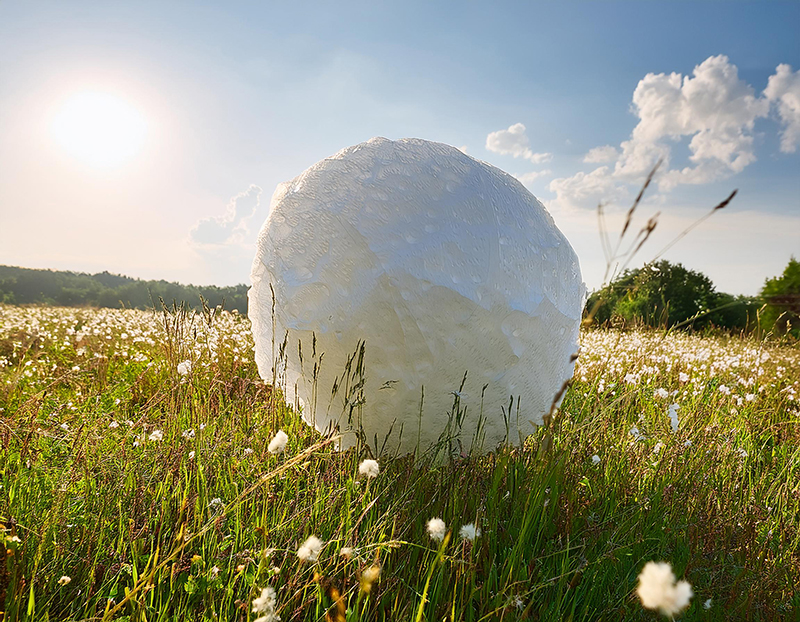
(156, 493)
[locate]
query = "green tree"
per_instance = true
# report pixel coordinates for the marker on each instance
(781, 294)
(667, 294)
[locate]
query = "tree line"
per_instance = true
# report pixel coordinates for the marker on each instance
(51, 287)
(659, 294)
(667, 295)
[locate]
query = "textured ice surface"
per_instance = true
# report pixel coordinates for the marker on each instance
(441, 264)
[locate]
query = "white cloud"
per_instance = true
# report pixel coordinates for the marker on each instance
(713, 106)
(600, 155)
(514, 142)
(586, 190)
(232, 228)
(783, 89)
(529, 178)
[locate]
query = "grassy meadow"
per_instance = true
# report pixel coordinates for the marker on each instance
(135, 486)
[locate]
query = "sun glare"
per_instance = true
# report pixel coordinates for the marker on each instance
(99, 129)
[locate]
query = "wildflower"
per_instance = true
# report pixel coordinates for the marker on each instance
(215, 503)
(64, 580)
(634, 431)
(707, 604)
(184, 367)
(309, 550)
(662, 393)
(687, 443)
(658, 589)
(724, 390)
(346, 552)
(191, 455)
(750, 397)
(266, 604)
(683, 377)
(368, 577)
(369, 468)
(214, 572)
(469, 532)
(76, 368)
(595, 459)
(188, 434)
(673, 417)
(742, 452)
(278, 443)
(156, 435)
(113, 425)
(64, 426)
(659, 446)
(248, 451)
(437, 529)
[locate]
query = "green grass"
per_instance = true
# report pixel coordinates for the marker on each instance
(135, 523)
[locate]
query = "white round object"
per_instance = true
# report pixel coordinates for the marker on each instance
(442, 266)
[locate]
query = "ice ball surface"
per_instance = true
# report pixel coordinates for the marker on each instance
(388, 271)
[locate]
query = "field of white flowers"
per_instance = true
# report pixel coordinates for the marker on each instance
(147, 473)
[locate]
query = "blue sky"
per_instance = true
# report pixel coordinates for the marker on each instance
(238, 97)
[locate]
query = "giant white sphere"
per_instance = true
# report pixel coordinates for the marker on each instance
(442, 265)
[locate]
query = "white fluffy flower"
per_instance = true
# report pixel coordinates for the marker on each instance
(658, 589)
(64, 580)
(369, 468)
(309, 550)
(184, 367)
(662, 393)
(156, 435)
(113, 425)
(595, 459)
(673, 417)
(469, 532)
(278, 443)
(437, 529)
(266, 604)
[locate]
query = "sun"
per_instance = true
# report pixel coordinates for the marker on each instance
(99, 129)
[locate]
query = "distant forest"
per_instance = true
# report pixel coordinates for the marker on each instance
(71, 289)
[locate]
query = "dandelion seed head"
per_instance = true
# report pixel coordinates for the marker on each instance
(369, 468)
(369, 576)
(266, 603)
(156, 435)
(469, 532)
(437, 529)
(310, 549)
(278, 443)
(658, 589)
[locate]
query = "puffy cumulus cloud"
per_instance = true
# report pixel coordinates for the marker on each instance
(601, 155)
(783, 89)
(514, 142)
(231, 228)
(586, 190)
(712, 109)
(528, 178)
(713, 106)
